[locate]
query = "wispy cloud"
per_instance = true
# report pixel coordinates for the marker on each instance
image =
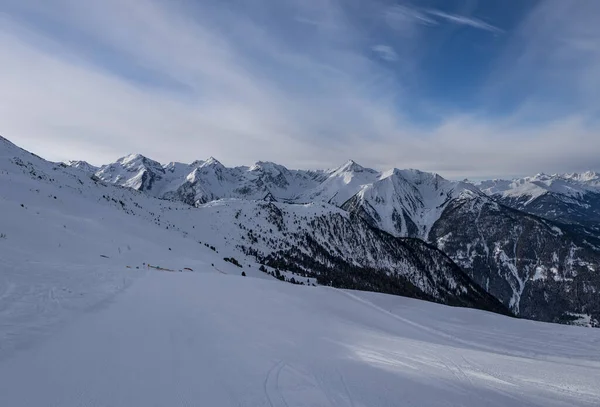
(399, 15)
(403, 18)
(385, 52)
(463, 20)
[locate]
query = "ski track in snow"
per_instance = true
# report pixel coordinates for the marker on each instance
(272, 386)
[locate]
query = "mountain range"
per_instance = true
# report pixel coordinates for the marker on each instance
(568, 198)
(488, 245)
(530, 242)
(572, 198)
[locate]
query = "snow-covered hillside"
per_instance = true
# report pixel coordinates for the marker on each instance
(204, 338)
(68, 243)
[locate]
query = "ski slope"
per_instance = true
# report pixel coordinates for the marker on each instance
(209, 339)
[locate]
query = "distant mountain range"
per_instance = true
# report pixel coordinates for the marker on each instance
(401, 202)
(531, 244)
(570, 198)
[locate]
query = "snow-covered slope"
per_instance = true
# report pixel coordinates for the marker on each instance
(67, 242)
(206, 339)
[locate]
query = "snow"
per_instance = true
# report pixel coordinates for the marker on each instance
(582, 319)
(84, 322)
(540, 274)
(181, 339)
(50, 214)
(230, 226)
(511, 266)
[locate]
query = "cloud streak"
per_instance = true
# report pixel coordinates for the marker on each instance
(403, 18)
(462, 20)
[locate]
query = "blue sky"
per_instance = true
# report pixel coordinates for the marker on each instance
(465, 88)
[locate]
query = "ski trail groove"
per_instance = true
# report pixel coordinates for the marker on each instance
(416, 325)
(271, 386)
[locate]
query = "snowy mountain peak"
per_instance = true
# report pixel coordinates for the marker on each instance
(133, 171)
(268, 166)
(82, 165)
(213, 161)
(412, 175)
(136, 162)
(131, 158)
(352, 166)
(174, 166)
(570, 198)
